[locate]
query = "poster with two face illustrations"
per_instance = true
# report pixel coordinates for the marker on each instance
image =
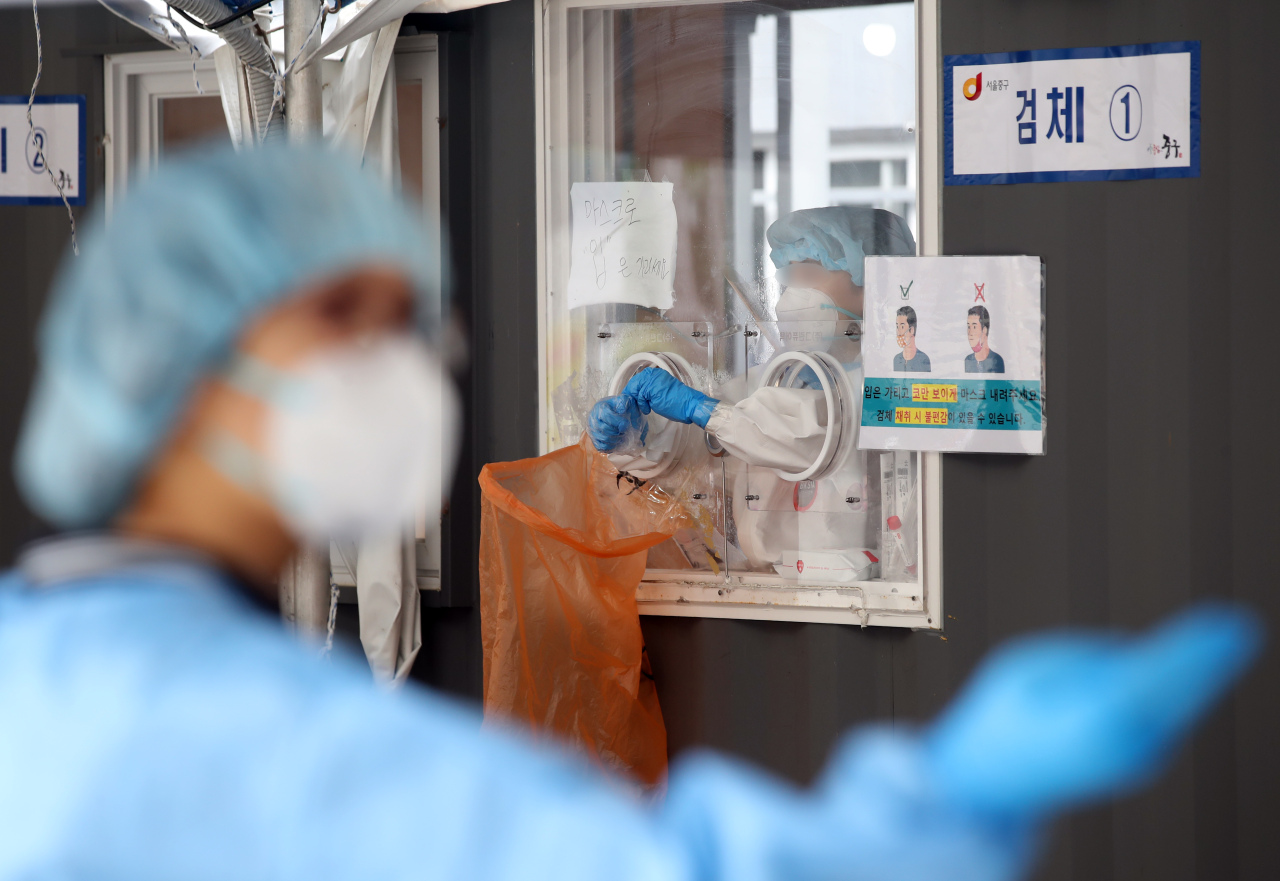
(953, 355)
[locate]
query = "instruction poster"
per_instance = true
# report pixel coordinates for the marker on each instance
(953, 353)
(624, 244)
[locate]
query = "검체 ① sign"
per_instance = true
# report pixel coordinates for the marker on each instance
(36, 158)
(1109, 113)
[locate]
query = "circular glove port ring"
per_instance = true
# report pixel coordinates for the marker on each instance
(642, 466)
(782, 372)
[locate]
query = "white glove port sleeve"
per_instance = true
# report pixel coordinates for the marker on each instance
(781, 428)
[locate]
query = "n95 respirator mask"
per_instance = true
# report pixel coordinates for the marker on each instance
(358, 440)
(808, 318)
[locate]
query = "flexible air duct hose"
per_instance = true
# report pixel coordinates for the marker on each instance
(250, 49)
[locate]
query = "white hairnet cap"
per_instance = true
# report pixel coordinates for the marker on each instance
(159, 296)
(838, 237)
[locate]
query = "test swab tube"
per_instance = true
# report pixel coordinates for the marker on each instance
(900, 543)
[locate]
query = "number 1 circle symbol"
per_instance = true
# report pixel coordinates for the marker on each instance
(1126, 113)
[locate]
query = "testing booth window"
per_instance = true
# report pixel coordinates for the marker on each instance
(713, 174)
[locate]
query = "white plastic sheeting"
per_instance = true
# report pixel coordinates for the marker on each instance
(234, 90)
(153, 16)
(375, 14)
(360, 113)
(357, 20)
(361, 116)
(385, 574)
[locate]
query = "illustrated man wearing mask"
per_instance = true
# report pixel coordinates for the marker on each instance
(243, 362)
(910, 359)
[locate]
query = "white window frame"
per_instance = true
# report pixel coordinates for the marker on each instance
(710, 596)
(134, 84)
(418, 58)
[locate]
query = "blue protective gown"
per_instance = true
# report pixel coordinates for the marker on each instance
(155, 724)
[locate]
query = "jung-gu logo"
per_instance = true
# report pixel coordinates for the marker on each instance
(972, 87)
(1170, 148)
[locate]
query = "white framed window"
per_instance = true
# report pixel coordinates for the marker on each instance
(152, 102)
(751, 111)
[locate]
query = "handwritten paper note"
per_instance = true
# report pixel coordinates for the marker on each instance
(624, 244)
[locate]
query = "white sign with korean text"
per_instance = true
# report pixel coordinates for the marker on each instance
(1112, 113)
(953, 355)
(54, 142)
(624, 244)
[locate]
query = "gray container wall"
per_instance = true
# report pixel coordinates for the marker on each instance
(1159, 483)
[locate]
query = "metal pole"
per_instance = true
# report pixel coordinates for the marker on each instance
(304, 585)
(304, 591)
(302, 112)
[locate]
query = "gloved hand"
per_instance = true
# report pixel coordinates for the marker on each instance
(612, 419)
(1055, 721)
(655, 389)
(873, 815)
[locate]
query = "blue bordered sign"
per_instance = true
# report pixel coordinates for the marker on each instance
(1107, 113)
(55, 145)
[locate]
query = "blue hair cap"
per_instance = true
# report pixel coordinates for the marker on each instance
(160, 294)
(839, 237)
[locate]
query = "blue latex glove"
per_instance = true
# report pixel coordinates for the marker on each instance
(873, 815)
(1056, 721)
(655, 389)
(612, 419)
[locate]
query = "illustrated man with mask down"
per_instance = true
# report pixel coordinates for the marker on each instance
(982, 360)
(242, 363)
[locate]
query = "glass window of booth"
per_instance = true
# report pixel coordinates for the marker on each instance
(787, 133)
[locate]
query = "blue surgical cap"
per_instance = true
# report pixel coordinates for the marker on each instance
(838, 237)
(160, 294)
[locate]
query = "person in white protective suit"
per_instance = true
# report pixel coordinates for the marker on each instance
(779, 431)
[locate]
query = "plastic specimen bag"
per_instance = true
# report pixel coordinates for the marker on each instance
(564, 540)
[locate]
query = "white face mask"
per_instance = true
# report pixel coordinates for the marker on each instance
(809, 319)
(358, 441)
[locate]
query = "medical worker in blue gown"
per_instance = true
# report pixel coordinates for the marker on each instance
(221, 378)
